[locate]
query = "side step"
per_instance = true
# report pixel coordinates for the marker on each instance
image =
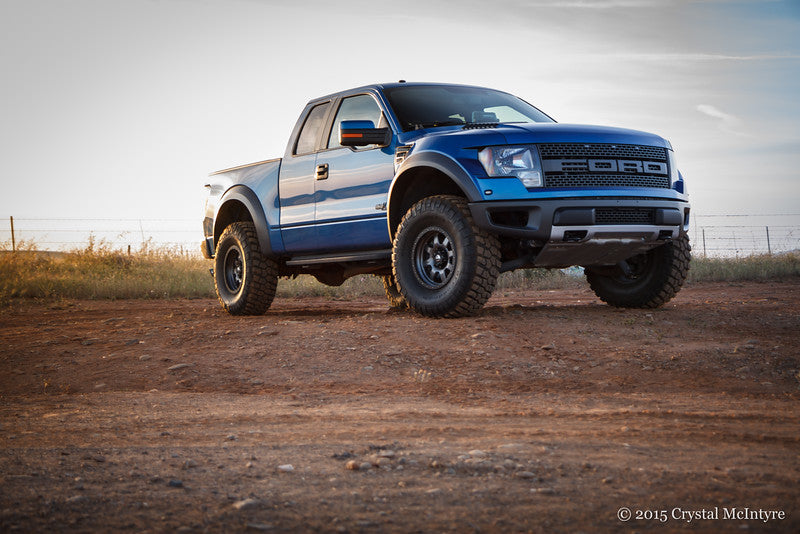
(367, 255)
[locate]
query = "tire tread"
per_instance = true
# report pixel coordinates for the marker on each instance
(487, 256)
(675, 270)
(259, 292)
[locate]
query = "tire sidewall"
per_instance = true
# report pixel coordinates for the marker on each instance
(231, 300)
(259, 274)
(416, 223)
(666, 271)
(656, 271)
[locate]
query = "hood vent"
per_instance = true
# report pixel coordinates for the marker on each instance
(480, 125)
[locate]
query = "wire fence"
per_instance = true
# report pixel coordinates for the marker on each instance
(745, 235)
(712, 235)
(131, 235)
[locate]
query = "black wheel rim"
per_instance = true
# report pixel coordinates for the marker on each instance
(639, 266)
(234, 270)
(434, 257)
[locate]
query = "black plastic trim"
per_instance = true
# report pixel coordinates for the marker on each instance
(434, 160)
(367, 255)
(441, 163)
(542, 213)
(246, 196)
(207, 248)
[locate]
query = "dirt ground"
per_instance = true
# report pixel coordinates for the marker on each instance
(548, 412)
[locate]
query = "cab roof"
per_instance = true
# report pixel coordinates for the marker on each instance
(380, 86)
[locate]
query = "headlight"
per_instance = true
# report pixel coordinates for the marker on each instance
(675, 179)
(521, 162)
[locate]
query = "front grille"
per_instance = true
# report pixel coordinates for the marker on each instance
(624, 216)
(604, 165)
(605, 180)
(580, 150)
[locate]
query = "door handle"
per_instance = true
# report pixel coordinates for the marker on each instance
(322, 171)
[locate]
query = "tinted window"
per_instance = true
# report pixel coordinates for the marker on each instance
(354, 108)
(428, 106)
(307, 140)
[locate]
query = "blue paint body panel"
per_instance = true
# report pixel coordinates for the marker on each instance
(348, 213)
(335, 200)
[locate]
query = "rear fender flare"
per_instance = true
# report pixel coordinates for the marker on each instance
(240, 194)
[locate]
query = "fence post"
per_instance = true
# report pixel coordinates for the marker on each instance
(704, 242)
(13, 238)
(769, 247)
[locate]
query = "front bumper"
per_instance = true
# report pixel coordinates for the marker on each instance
(599, 231)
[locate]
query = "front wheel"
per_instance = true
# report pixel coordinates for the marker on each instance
(443, 264)
(246, 279)
(647, 280)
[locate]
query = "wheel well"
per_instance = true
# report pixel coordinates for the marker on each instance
(414, 185)
(230, 212)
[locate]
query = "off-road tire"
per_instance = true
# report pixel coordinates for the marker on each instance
(245, 278)
(444, 265)
(656, 277)
(393, 295)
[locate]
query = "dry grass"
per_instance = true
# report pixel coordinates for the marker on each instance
(750, 268)
(99, 272)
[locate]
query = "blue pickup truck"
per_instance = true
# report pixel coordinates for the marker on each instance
(438, 189)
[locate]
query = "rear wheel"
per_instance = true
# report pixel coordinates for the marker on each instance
(647, 280)
(245, 278)
(444, 265)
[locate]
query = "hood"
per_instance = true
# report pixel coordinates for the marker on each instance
(533, 133)
(578, 133)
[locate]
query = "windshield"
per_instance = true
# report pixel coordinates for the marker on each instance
(428, 106)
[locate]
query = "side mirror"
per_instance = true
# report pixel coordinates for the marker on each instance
(362, 133)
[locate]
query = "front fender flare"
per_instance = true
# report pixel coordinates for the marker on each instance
(247, 197)
(435, 160)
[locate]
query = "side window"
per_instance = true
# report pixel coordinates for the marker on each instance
(355, 108)
(307, 140)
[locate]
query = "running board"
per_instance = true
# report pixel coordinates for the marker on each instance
(367, 255)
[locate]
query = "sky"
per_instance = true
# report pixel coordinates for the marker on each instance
(121, 108)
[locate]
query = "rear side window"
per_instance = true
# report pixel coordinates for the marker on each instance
(355, 108)
(307, 140)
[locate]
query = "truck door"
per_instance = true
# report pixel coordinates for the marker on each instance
(297, 183)
(352, 185)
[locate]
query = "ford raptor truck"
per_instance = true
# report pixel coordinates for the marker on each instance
(438, 189)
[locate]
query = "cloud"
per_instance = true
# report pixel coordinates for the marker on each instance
(727, 123)
(698, 57)
(711, 111)
(597, 4)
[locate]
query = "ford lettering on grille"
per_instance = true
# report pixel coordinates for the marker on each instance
(577, 165)
(605, 166)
